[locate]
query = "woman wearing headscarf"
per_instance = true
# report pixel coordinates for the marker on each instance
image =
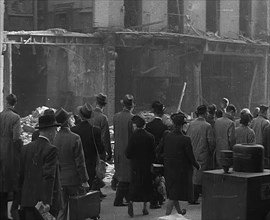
(140, 151)
(179, 161)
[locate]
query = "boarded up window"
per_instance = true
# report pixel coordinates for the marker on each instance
(212, 15)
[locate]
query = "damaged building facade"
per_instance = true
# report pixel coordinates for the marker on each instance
(146, 48)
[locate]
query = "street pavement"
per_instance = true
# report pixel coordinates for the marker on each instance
(109, 212)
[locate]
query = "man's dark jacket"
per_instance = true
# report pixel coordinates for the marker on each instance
(90, 136)
(39, 180)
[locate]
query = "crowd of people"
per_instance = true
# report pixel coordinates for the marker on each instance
(155, 160)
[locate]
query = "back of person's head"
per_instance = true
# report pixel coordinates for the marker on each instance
(138, 121)
(212, 109)
(11, 99)
(219, 113)
(178, 119)
(231, 108)
(201, 110)
(245, 118)
(48, 111)
(245, 111)
(256, 112)
(263, 109)
(224, 102)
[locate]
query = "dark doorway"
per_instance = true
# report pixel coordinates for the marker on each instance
(29, 78)
(212, 15)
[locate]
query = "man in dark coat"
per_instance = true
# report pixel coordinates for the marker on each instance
(10, 148)
(122, 130)
(140, 151)
(38, 173)
(156, 127)
(91, 140)
(100, 120)
(71, 158)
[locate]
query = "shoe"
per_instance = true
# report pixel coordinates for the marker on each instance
(145, 212)
(155, 206)
(130, 209)
(193, 203)
(120, 204)
(183, 212)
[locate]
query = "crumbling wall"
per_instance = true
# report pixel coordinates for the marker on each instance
(75, 75)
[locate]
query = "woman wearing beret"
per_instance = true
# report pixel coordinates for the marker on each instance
(179, 161)
(140, 151)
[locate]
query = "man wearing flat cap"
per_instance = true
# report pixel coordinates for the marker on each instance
(91, 140)
(39, 169)
(10, 148)
(260, 123)
(122, 131)
(100, 120)
(202, 139)
(71, 158)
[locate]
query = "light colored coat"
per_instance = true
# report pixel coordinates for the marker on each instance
(244, 135)
(202, 139)
(10, 131)
(122, 131)
(258, 125)
(224, 134)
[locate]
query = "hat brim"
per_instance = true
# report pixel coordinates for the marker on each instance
(99, 100)
(48, 126)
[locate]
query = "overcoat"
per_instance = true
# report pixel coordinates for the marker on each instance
(140, 151)
(122, 131)
(90, 136)
(244, 135)
(225, 136)
(259, 124)
(100, 120)
(71, 158)
(202, 139)
(10, 148)
(179, 161)
(38, 173)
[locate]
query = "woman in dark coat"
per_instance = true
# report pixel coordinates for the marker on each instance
(178, 165)
(140, 151)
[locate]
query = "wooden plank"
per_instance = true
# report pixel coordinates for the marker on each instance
(252, 84)
(7, 70)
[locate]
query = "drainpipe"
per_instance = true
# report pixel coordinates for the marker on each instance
(2, 11)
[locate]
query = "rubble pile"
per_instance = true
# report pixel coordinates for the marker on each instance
(29, 123)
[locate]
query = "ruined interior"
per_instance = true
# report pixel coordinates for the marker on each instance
(55, 76)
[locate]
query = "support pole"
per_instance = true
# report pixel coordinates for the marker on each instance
(2, 11)
(35, 14)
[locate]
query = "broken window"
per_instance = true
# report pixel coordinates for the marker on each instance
(133, 13)
(212, 15)
(176, 16)
(245, 18)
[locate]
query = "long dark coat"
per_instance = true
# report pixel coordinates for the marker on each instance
(90, 136)
(140, 151)
(10, 148)
(178, 166)
(38, 173)
(122, 132)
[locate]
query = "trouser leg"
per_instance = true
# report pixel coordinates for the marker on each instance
(121, 193)
(3, 204)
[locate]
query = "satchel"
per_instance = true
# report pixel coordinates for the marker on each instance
(100, 165)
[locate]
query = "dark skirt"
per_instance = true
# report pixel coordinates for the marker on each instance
(178, 182)
(141, 187)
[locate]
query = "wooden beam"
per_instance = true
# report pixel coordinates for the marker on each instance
(255, 71)
(2, 11)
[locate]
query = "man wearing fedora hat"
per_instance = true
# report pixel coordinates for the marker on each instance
(122, 131)
(260, 123)
(100, 120)
(10, 148)
(71, 158)
(91, 140)
(39, 169)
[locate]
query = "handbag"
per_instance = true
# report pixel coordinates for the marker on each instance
(100, 164)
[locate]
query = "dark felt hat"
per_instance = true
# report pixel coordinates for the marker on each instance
(128, 100)
(138, 120)
(179, 118)
(85, 111)
(202, 109)
(47, 121)
(101, 98)
(11, 99)
(48, 111)
(61, 115)
(263, 108)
